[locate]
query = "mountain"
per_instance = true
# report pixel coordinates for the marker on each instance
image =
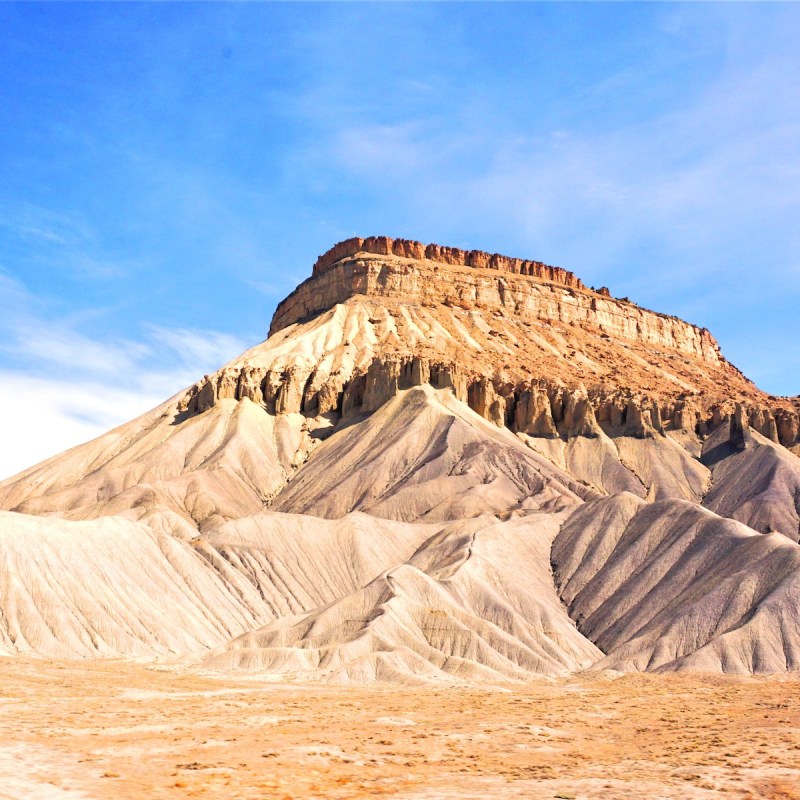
(441, 464)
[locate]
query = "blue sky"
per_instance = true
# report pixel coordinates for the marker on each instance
(168, 172)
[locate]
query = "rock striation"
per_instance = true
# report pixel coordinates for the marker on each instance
(416, 251)
(554, 296)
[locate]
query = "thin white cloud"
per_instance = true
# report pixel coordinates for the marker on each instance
(49, 345)
(391, 149)
(27, 220)
(49, 238)
(69, 387)
(198, 346)
(14, 295)
(43, 416)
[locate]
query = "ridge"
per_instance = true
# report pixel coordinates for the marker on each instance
(478, 259)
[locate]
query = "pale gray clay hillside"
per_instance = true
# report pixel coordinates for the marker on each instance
(440, 466)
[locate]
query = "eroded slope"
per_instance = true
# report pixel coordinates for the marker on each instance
(670, 585)
(475, 602)
(473, 410)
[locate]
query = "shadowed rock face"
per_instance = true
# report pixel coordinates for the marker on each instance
(380, 489)
(536, 407)
(670, 586)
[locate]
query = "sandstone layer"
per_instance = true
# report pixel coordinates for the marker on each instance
(416, 251)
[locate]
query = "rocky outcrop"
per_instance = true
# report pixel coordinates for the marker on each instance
(463, 289)
(578, 415)
(483, 398)
(249, 385)
(526, 346)
(478, 259)
(533, 413)
(535, 407)
(628, 415)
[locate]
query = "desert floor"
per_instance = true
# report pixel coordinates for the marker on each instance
(122, 730)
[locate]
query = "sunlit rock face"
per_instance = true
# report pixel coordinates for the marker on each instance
(520, 347)
(441, 465)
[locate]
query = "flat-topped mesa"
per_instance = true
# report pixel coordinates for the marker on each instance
(478, 259)
(458, 282)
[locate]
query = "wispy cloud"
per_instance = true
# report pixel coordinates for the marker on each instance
(55, 345)
(55, 239)
(193, 347)
(66, 386)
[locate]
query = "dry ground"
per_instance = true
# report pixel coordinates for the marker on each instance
(119, 730)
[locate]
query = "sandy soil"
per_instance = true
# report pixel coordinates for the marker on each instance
(119, 730)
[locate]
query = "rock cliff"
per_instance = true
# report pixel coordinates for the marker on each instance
(466, 281)
(532, 349)
(453, 256)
